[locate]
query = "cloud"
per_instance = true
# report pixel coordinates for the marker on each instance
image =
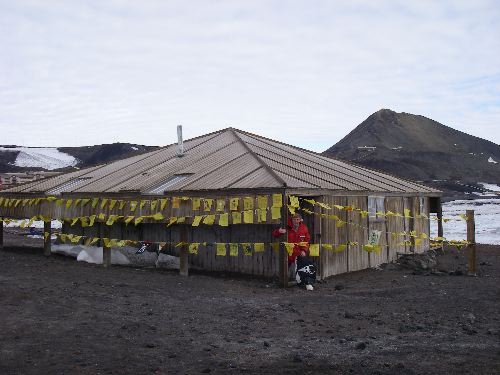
(81, 73)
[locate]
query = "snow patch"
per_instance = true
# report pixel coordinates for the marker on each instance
(134, 148)
(486, 216)
(490, 160)
(48, 158)
(491, 187)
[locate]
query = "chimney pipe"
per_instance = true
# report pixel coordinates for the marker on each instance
(180, 145)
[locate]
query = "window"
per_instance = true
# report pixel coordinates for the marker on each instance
(423, 208)
(171, 181)
(68, 186)
(376, 205)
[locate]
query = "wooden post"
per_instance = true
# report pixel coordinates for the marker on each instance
(46, 239)
(440, 217)
(283, 255)
(183, 256)
(471, 238)
(1, 234)
(106, 251)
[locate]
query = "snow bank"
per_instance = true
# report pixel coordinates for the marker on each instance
(486, 216)
(48, 158)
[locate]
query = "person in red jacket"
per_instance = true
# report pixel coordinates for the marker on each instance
(297, 233)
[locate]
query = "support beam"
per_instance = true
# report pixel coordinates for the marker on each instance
(106, 256)
(471, 238)
(283, 255)
(1, 234)
(440, 217)
(183, 256)
(47, 228)
(106, 251)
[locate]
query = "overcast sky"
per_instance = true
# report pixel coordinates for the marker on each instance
(306, 72)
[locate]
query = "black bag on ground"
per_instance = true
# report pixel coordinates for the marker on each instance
(306, 271)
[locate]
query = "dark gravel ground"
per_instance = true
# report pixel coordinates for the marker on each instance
(59, 316)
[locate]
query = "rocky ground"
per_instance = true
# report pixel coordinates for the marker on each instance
(59, 316)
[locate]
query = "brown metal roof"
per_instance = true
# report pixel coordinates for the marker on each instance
(227, 159)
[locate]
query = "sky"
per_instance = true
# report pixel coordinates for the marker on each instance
(304, 72)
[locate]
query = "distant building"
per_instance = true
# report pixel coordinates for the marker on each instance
(8, 180)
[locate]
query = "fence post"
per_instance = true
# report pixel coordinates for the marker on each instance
(471, 238)
(47, 228)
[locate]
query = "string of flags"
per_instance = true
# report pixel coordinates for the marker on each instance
(244, 205)
(248, 248)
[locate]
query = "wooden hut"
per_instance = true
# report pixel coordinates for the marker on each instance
(234, 187)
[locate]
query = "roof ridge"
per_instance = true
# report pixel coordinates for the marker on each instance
(261, 162)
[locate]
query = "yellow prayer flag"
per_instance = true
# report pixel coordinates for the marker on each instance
(314, 250)
(294, 201)
(233, 249)
(247, 248)
(69, 202)
(193, 248)
(289, 247)
(121, 204)
(262, 214)
(207, 204)
(224, 220)
(248, 203)
(328, 247)
(128, 219)
(196, 221)
(158, 216)
(84, 201)
(221, 249)
(323, 205)
(143, 203)
(154, 203)
(112, 203)
(236, 216)
(248, 216)
(103, 202)
(221, 204)
(258, 247)
(94, 202)
(171, 221)
(291, 209)
(196, 204)
(101, 217)
(275, 213)
(310, 201)
(262, 202)
(340, 248)
(132, 205)
(74, 221)
(84, 221)
(91, 220)
(163, 203)
(234, 204)
(46, 235)
(176, 202)
(209, 220)
(76, 239)
(407, 213)
(138, 220)
(275, 246)
(277, 200)
(112, 219)
(181, 219)
(340, 223)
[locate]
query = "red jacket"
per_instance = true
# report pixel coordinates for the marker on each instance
(301, 235)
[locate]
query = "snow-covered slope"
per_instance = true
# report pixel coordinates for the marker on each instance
(41, 157)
